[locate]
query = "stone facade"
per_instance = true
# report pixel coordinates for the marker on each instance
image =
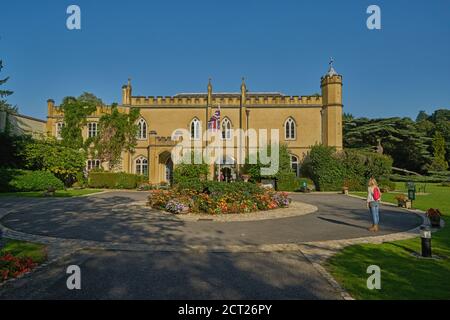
(314, 119)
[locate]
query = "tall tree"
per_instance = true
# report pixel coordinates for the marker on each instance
(421, 116)
(4, 93)
(399, 137)
(4, 105)
(439, 162)
(347, 117)
(76, 111)
(441, 120)
(117, 133)
(51, 155)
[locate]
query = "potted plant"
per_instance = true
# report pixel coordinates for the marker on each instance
(345, 190)
(435, 217)
(403, 201)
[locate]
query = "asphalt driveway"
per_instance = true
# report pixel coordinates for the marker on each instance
(184, 276)
(178, 274)
(108, 217)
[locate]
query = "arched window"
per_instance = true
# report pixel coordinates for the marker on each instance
(59, 126)
(295, 165)
(93, 164)
(141, 166)
(142, 129)
(289, 129)
(226, 129)
(195, 129)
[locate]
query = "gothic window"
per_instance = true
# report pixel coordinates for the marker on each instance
(290, 129)
(226, 129)
(92, 129)
(141, 166)
(195, 129)
(92, 164)
(142, 129)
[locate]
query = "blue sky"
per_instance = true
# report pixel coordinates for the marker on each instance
(168, 47)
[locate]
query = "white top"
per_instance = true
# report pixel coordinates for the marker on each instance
(370, 194)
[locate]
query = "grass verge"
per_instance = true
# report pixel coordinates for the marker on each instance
(18, 257)
(403, 276)
(59, 193)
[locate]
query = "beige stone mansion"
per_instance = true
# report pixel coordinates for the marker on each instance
(302, 122)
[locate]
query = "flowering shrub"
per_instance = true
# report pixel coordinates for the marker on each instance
(281, 198)
(159, 198)
(177, 206)
(11, 266)
(218, 199)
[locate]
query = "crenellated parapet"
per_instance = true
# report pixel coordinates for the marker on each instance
(330, 79)
(54, 111)
(284, 100)
(201, 100)
(168, 101)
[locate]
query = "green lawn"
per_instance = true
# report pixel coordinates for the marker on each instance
(437, 197)
(403, 276)
(23, 249)
(58, 193)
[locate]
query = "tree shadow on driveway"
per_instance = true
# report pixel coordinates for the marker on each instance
(188, 275)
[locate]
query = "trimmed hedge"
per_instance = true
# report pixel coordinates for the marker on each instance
(288, 181)
(12, 180)
(114, 180)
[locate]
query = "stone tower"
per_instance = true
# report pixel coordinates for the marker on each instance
(126, 93)
(331, 85)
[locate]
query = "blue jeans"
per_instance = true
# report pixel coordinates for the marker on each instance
(374, 208)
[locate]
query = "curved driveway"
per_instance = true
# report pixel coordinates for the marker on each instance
(107, 217)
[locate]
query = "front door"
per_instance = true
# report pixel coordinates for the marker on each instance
(169, 171)
(226, 174)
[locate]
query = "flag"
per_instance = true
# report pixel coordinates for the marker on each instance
(214, 121)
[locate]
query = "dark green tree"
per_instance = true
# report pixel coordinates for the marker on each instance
(400, 138)
(439, 163)
(421, 116)
(4, 105)
(347, 117)
(441, 120)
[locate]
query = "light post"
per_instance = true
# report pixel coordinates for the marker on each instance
(425, 235)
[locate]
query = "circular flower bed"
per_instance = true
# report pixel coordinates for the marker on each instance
(218, 198)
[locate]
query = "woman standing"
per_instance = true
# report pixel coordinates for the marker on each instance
(373, 203)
